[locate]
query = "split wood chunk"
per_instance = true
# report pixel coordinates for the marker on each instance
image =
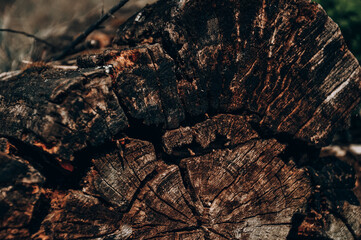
(118, 174)
(234, 194)
(60, 112)
(20, 195)
(146, 86)
(224, 129)
(65, 219)
(283, 60)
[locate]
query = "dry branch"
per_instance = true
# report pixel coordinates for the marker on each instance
(89, 30)
(28, 35)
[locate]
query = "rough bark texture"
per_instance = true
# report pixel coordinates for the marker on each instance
(208, 126)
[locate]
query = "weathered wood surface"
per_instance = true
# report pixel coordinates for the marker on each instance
(207, 126)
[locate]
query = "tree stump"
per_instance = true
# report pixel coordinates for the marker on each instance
(204, 121)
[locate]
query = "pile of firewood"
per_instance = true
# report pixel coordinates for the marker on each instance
(199, 120)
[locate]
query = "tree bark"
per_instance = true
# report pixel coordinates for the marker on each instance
(208, 125)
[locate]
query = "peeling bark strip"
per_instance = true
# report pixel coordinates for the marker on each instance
(207, 127)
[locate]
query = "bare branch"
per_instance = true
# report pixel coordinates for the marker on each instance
(91, 29)
(28, 35)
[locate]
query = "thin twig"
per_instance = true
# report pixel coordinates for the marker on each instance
(91, 29)
(65, 67)
(103, 8)
(7, 75)
(28, 35)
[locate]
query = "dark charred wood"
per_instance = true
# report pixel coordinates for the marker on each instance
(21, 190)
(204, 121)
